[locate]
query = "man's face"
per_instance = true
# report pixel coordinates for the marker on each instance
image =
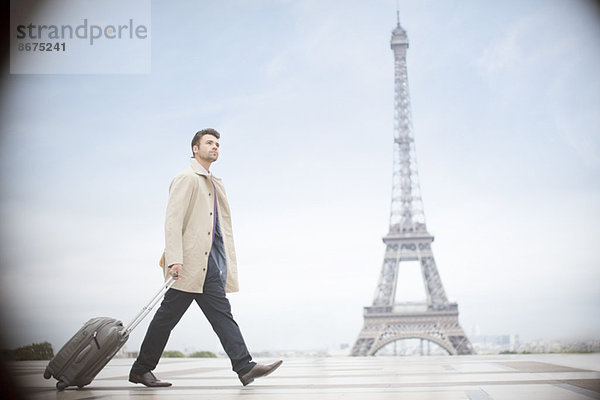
(208, 148)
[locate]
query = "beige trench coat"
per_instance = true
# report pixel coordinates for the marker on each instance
(189, 228)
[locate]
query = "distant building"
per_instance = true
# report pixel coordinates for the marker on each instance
(495, 343)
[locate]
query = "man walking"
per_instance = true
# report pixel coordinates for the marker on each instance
(200, 254)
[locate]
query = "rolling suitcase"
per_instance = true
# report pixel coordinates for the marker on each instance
(94, 345)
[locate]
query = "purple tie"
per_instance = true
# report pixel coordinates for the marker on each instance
(215, 212)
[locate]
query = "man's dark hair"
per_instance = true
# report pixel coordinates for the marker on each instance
(199, 134)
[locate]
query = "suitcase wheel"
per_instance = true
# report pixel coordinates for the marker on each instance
(47, 374)
(60, 385)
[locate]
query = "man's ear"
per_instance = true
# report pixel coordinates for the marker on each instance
(195, 149)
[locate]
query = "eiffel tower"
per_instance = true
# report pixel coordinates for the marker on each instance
(386, 321)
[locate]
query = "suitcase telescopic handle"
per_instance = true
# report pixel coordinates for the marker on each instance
(150, 305)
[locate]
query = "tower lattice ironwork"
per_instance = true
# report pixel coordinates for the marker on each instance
(387, 321)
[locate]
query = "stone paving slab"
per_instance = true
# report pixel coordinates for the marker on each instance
(548, 377)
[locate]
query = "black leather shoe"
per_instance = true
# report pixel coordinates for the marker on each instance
(147, 379)
(258, 371)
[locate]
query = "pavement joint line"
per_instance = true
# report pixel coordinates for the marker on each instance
(580, 390)
(341, 386)
(186, 376)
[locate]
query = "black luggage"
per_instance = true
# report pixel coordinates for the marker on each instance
(94, 345)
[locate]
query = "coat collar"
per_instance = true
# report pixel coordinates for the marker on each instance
(199, 169)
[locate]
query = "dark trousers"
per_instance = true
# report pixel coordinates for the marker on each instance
(215, 306)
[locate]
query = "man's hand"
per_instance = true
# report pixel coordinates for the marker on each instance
(175, 271)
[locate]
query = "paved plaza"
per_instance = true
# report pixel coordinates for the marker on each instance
(503, 377)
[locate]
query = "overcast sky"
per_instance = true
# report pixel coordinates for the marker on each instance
(505, 102)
